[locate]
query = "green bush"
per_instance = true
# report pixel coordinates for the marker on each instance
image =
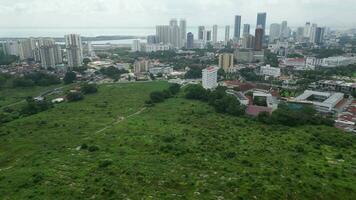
(157, 97)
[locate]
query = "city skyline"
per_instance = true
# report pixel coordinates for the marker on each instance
(107, 13)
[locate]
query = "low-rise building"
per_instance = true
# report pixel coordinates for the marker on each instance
(270, 71)
(336, 86)
(248, 56)
(323, 101)
(161, 70)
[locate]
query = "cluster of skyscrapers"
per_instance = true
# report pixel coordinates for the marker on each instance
(46, 51)
(172, 34)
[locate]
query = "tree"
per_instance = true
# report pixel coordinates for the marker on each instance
(157, 97)
(353, 94)
(89, 88)
(221, 74)
(74, 96)
(194, 73)
(86, 61)
(69, 77)
(174, 88)
(195, 92)
(22, 82)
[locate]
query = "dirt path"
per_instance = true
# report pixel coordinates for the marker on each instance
(120, 119)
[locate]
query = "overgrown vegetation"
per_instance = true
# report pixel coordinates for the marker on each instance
(179, 149)
(287, 116)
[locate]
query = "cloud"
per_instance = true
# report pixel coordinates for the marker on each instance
(17, 13)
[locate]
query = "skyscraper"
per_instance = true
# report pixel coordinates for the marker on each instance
(201, 30)
(173, 22)
(190, 40)
(136, 46)
(237, 28)
(259, 38)
(174, 37)
(246, 30)
(47, 57)
(151, 39)
(48, 51)
(208, 36)
(307, 30)
(300, 34)
(319, 35)
(312, 35)
(162, 34)
(227, 34)
(261, 21)
(248, 42)
(284, 30)
(215, 34)
(274, 32)
(183, 30)
(74, 50)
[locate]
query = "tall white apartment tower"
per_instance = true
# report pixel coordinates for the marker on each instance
(136, 46)
(215, 34)
(183, 31)
(74, 50)
(210, 77)
(227, 34)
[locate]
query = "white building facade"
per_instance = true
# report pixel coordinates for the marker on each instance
(210, 77)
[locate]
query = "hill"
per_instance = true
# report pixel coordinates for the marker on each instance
(109, 146)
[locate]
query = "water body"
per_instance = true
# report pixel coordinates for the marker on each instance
(93, 32)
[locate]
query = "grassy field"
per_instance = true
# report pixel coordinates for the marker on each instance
(9, 96)
(178, 149)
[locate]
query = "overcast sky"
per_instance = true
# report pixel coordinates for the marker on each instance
(123, 13)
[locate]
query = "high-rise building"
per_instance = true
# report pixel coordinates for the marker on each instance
(307, 30)
(162, 34)
(215, 34)
(26, 51)
(313, 33)
(173, 22)
(300, 34)
(152, 39)
(210, 77)
(284, 30)
(48, 51)
(226, 61)
(208, 35)
(248, 42)
(74, 50)
(237, 27)
(274, 32)
(136, 46)
(183, 30)
(246, 30)
(174, 37)
(319, 35)
(190, 40)
(201, 30)
(261, 20)
(227, 34)
(259, 38)
(47, 56)
(172, 34)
